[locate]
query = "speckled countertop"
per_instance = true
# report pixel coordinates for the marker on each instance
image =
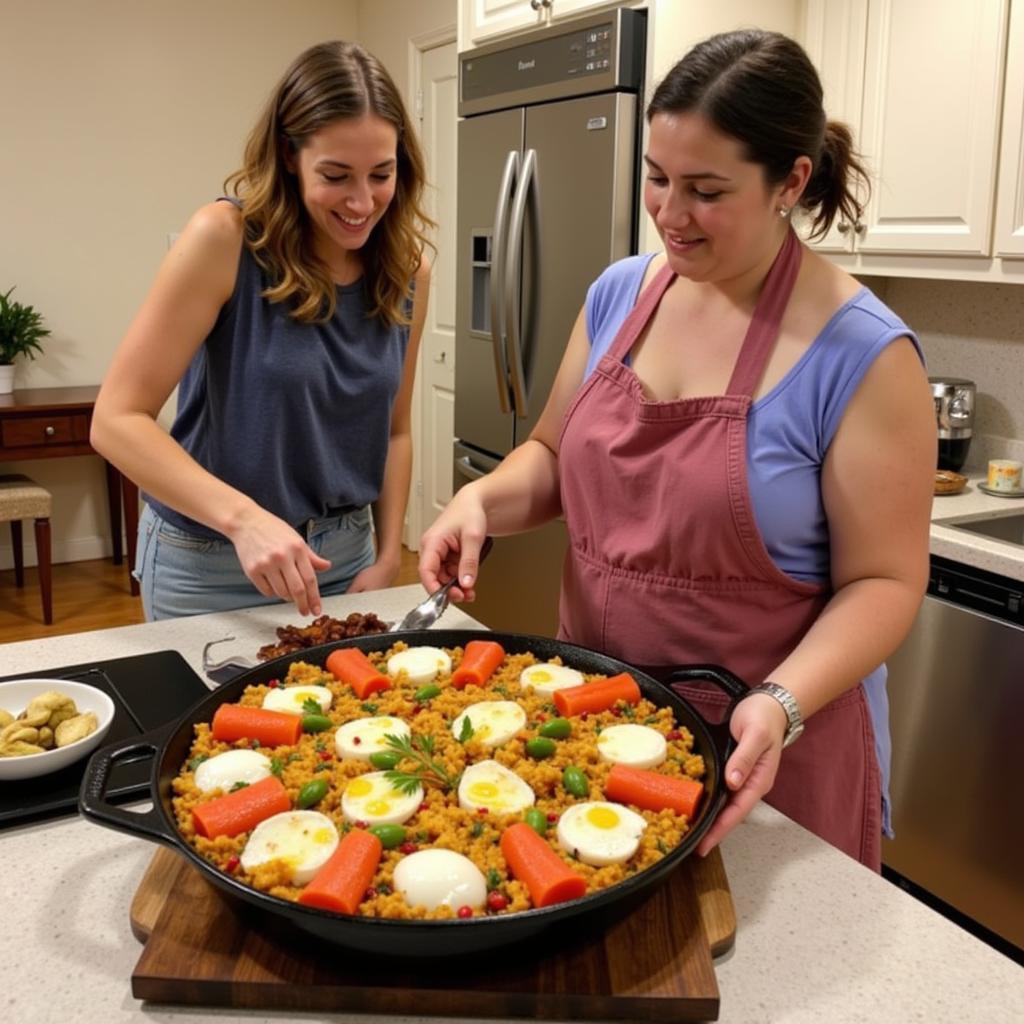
(820, 938)
(972, 503)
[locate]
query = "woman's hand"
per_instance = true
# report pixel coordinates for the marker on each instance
(451, 547)
(758, 725)
(278, 561)
(379, 576)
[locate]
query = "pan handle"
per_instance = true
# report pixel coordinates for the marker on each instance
(92, 797)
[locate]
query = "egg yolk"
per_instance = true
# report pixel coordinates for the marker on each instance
(484, 792)
(359, 787)
(602, 817)
(322, 835)
(378, 807)
(540, 676)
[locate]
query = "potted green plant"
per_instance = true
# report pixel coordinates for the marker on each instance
(21, 329)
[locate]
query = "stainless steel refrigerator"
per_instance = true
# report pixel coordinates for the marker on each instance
(548, 168)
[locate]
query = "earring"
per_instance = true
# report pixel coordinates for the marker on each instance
(783, 212)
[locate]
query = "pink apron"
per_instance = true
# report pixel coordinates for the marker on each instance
(667, 565)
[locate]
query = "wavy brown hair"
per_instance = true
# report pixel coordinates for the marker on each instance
(326, 82)
(762, 89)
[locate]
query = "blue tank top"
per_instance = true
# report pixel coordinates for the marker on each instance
(295, 415)
(789, 431)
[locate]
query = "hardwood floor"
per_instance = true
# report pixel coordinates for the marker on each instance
(90, 595)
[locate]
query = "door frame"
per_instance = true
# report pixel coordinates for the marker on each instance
(417, 46)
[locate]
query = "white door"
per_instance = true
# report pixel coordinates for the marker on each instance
(434, 435)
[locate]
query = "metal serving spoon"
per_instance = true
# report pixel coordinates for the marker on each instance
(424, 615)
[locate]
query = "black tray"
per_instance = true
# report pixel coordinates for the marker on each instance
(148, 690)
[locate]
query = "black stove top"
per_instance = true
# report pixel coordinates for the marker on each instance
(148, 690)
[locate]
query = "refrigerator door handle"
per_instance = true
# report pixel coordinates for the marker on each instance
(498, 260)
(526, 189)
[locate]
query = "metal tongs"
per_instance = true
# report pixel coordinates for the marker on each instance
(424, 615)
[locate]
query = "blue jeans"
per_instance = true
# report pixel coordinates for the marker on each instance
(182, 573)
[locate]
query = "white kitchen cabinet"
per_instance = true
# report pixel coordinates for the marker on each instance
(483, 21)
(921, 86)
(1009, 239)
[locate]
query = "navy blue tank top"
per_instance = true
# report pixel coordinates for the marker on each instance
(295, 415)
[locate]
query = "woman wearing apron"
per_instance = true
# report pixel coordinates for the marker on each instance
(741, 440)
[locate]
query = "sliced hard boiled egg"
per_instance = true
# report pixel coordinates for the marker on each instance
(636, 745)
(493, 721)
(304, 840)
(600, 833)
(292, 698)
(421, 665)
(365, 736)
(491, 786)
(222, 771)
(373, 799)
(547, 678)
(434, 878)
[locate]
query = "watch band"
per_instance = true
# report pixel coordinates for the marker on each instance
(794, 720)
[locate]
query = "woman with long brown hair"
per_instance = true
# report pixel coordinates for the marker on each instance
(289, 314)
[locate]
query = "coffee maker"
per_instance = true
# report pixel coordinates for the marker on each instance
(954, 415)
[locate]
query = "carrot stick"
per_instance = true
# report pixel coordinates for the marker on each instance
(598, 696)
(653, 792)
(549, 879)
(342, 882)
(479, 660)
(242, 810)
(240, 722)
(350, 666)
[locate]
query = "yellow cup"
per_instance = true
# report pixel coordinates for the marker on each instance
(1004, 475)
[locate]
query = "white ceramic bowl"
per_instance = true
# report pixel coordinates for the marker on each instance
(15, 696)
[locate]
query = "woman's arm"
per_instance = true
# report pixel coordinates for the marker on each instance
(389, 508)
(520, 494)
(877, 483)
(195, 280)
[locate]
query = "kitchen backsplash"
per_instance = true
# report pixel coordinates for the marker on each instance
(973, 330)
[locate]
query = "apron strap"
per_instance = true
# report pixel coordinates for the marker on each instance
(638, 316)
(763, 331)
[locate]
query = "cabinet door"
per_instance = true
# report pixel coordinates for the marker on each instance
(834, 34)
(930, 124)
(1010, 198)
(568, 8)
(488, 19)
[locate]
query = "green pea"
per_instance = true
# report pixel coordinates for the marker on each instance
(312, 793)
(390, 836)
(557, 728)
(575, 781)
(537, 820)
(540, 747)
(315, 723)
(425, 693)
(385, 760)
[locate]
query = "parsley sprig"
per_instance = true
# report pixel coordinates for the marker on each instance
(427, 771)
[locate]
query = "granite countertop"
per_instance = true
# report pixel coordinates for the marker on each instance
(996, 556)
(820, 938)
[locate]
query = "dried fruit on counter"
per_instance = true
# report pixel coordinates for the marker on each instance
(323, 630)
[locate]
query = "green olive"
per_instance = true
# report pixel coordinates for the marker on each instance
(390, 836)
(425, 693)
(540, 747)
(537, 820)
(385, 760)
(315, 723)
(556, 728)
(575, 781)
(311, 793)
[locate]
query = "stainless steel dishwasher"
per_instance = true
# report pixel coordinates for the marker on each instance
(956, 691)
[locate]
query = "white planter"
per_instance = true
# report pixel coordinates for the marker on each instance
(6, 378)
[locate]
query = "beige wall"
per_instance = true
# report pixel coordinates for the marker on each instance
(120, 118)
(388, 27)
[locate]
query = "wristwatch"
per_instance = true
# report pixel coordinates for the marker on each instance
(794, 720)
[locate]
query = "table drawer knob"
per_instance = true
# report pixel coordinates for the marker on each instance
(49, 431)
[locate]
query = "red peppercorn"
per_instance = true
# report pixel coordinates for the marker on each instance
(465, 911)
(552, 817)
(274, 684)
(360, 824)
(232, 864)
(481, 810)
(423, 806)
(616, 711)
(496, 900)
(584, 715)
(675, 734)
(408, 848)
(370, 893)
(356, 741)
(325, 755)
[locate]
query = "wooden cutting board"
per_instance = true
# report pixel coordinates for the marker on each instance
(653, 965)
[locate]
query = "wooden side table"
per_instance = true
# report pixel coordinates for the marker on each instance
(53, 423)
